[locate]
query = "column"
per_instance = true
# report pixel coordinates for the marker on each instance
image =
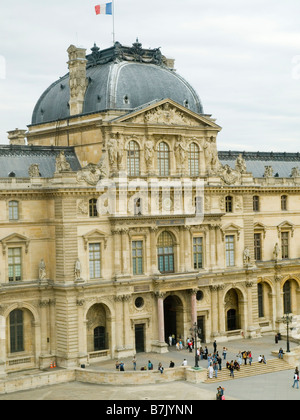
(126, 322)
(153, 250)
(279, 303)
(214, 310)
(222, 326)
(193, 294)
(117, 252)
(43, 308)
(161, 320)
(125, 252)
(2, 346)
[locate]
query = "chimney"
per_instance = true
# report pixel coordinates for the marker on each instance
(17, 137)
(78, 81)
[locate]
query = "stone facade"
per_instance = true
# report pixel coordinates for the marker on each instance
(154, 233)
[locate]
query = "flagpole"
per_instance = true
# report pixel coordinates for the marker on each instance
(113, 16)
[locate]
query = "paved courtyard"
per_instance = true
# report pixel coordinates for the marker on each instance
(274, 386)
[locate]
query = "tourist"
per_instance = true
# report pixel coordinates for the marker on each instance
(236, 365)
(264, 360)
(215, 367)
(296, 378)
(170, 341)
(220, 394)
(219, 360)
(225, 352)
(134, 363)
(184, 363)
(245, 356)
(260, 359)
(280, 353)
(150, 365)
(215, 346)
(210, 372)
(231, 369)
(250, 357)
(205, 353)
(117, 365)
(172, 364)
(160, 368)
(122, 367)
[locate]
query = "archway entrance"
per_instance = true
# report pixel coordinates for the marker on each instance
(233, 310)
(173, 316)
(98, 327)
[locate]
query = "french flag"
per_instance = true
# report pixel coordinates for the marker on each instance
(104, 9)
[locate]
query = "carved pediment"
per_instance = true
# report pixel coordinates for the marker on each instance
(14, 239)
(231, 229)
(287, 227)
(93, 236)
(168, 112)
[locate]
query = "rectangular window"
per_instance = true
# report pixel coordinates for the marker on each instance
(198, 253)
(95, 260)
(257, 246)
(256, 203)
(13, 210)
(285, 245)
(137, 257)
(230, 251)
(14, 264)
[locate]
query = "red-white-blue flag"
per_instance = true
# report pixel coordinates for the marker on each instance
(104, 9)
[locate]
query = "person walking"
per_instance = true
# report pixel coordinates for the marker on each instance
(215, 346)
(231, 369)
(225, 352)
(280, 353)
(296, 379)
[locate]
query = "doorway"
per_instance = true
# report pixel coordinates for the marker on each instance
(201, 326)
(140, 338)
(173, 315)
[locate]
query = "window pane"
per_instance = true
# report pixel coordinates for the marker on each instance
(137, 257)
(163, 159)
(133, 159)
(95, 261)
(194, 160)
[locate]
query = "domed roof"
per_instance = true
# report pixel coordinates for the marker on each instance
(119, 78)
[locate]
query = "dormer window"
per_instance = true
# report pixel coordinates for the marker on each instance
(126, 100)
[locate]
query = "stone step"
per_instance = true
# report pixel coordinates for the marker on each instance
(273, 365)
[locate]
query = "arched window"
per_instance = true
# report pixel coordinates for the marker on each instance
(163, 159)
(16, 325)
(99, 339)
(194, 159)
(93, 207)
(287, 297)
(165, 253)
(133, 159)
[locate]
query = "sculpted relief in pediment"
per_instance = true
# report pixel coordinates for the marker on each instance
(165, 115)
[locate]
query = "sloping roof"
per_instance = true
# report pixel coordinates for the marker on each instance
(17, 159)
(282, 163)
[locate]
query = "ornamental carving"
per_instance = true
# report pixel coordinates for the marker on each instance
(61, 164)
(34, 171)
(92, 173)
(228, 175)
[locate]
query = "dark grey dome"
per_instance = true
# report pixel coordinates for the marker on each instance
(119, 78)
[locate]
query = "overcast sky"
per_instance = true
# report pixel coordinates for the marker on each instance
(242, 57)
